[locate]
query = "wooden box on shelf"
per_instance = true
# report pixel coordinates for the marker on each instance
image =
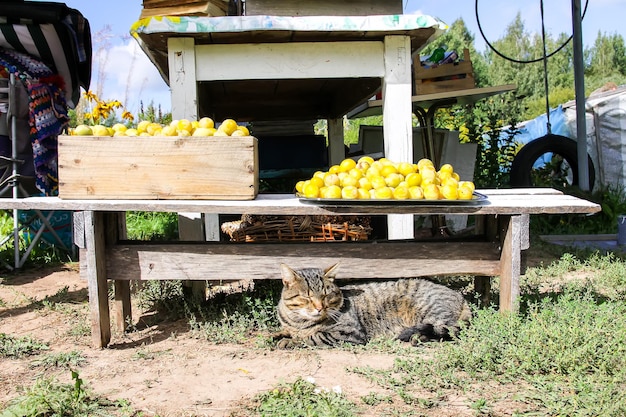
(184, 8)
(181, 168)
(323, 7)
(444, 78)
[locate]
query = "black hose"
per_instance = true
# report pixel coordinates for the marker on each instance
(500, 54)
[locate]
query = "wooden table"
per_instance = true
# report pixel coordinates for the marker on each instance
(425, 105)
(264, 68)
(495, 249)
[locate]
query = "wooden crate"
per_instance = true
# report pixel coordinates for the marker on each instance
(184, 8)
(444, 78)
(322, 7)
(194, 168)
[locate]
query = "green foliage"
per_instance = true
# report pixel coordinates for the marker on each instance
(154, 114)
(17, 347)
(48, 397)
(234, 315)
(68, 360)
(488, 125)
(569, 337)
(42, 252)
(612, 200)
(166, 297)
(537, 106)
(142, 225)
(303, 399)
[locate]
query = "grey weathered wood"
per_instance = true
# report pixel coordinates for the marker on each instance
(116, 230)
(95, 272)
(510, 264)
(502, 221)
(323, 7)
(233, 261)
(78, 226)
(523, 202)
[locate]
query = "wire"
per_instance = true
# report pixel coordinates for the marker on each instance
(500, 54)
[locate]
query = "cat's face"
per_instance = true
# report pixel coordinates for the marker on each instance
(311, 292)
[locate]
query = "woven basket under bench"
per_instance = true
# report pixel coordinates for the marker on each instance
(262, 228)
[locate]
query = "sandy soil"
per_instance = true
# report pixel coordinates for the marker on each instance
(161, 369)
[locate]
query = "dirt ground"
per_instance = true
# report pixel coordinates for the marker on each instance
(161, 369)
(164, 371)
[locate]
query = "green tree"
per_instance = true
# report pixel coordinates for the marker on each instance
(606, 61)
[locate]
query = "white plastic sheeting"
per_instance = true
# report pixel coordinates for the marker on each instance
(606, 134)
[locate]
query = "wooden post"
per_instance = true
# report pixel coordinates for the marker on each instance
(510, 262)
(397, 119)
(116, 230)
(183, 84)
(95, 252)
(336, 147)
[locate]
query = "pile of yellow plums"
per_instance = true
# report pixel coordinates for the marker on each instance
(181, 128)
(383, 179)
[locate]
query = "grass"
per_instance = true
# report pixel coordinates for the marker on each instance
(43, 253)
(68, 360)
(563, 354)
(48, 397)
(303, 398)
(18, 347)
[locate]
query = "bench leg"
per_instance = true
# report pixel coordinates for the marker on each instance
(123, 310)
(116, 230)
(95, 260)
(510, 261)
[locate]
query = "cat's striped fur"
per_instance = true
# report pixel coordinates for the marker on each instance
(315, 311)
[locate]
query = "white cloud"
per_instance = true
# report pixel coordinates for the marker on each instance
(123, 72)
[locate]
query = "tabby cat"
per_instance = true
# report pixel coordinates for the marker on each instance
(315, 311)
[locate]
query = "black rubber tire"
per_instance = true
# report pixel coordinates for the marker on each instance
(522, 165)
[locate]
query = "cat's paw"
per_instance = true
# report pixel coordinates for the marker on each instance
(286, 343)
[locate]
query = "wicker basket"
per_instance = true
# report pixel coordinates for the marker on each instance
(253, 228)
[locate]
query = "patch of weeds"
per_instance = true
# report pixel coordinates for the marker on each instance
(375, 398)
(304, 398)
(238, 314)
(17, 347)
(570, 342)
(166, 297)
(146, 354)
(53, 302)
(69, 360)
(80, 328)
(604, 274)
(47, 397)
(481, 407)
(383, 345)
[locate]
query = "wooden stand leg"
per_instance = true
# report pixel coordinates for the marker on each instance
(123, 309)
(510, 261)
(482, 287)
(96, 278)
(116, 230)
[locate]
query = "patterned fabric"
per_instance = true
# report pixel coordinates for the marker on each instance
(47, 112)
(53, 33)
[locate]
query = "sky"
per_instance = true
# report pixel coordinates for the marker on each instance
(116, 52)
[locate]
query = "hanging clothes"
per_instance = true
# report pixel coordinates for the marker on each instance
(47, 113)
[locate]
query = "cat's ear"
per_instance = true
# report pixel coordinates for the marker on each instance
(331, 272)
(289, 275)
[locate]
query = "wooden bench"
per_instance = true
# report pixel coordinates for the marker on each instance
(494, 250)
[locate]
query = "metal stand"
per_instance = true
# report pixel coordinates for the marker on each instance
(10, 182)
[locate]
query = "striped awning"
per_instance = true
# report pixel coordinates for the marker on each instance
(55, 34)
